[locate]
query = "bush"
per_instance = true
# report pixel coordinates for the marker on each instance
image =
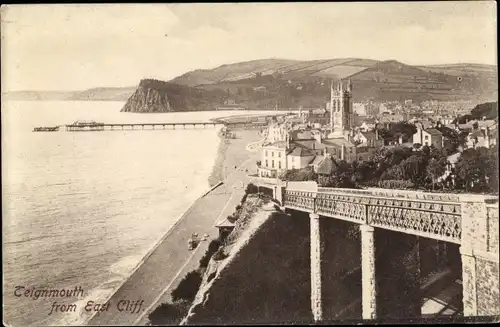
(212, 248)
(188, 287)
(251, 188)
(396, 184)
(232, 218)
(169, 314)
(220, 255)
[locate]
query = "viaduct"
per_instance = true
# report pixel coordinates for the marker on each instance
(462, 224)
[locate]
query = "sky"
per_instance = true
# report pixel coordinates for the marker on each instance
(74, 47)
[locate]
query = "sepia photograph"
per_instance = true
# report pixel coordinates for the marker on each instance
(249, 163)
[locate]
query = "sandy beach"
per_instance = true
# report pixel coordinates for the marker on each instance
(232, 152)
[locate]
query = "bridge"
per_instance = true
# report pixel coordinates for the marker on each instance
(464, 223)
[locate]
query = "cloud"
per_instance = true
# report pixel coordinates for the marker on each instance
(79, 46)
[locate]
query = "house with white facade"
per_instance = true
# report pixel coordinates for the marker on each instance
(429, 136)
(368, 139)
(273, 159)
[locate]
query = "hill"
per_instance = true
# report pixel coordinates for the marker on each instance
(292, 83)
(265, 83)
(94, 94)
(103, 94)
(36, 95)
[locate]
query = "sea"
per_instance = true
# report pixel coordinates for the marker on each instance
(80, 209)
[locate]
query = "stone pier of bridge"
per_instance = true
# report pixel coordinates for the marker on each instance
(393, 225)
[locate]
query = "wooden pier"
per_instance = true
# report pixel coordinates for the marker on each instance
(93, 127)
(137, 126)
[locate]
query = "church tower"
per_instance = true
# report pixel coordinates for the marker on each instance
(340, 109)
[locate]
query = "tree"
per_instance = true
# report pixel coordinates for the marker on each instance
(413, 168)
(475, 169)
(435, 169)
(488, 110)
(188, 287)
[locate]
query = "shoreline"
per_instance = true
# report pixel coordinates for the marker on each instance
(217, 174)
(152, 249)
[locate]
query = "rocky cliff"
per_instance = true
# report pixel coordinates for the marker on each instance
(159, 96)
(265, 277)
(149, 97)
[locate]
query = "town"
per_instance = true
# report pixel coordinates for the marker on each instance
(345, 144)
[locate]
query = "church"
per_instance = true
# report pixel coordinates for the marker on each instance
(291, 148)
(339, 134)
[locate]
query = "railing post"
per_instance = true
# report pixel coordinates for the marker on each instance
(367, 221)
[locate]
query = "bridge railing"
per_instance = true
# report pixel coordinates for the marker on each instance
(432, 215)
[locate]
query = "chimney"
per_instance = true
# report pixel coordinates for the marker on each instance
(376, 134)
(324, 152)
(342, 152)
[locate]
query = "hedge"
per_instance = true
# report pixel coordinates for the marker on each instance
(396, 184)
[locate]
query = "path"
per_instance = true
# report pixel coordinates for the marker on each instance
(168, 263)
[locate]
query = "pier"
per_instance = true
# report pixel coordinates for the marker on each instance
(93, 127)
(76, 127)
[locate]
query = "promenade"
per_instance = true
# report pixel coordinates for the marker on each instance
(171, 260)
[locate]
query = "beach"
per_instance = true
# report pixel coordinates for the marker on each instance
(233, 152)
(163, 268)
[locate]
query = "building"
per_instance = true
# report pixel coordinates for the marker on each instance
(386, 118)
(481, 137)
(327, 166)
(371, 109)
(368, 124)
(317, 116)
(276, 132)
(273, 159)
(299, 157)
(429, 136)
(369, 139)
(359, 109)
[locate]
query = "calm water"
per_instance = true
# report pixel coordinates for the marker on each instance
(81, 209)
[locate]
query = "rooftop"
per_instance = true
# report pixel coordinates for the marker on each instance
(337, 142)
(316, 160)
(300, 151)
(277, 144)
(327, 166)
(433, 131)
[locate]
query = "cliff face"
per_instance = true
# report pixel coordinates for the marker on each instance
(267, 278)
(149, 97)
(159, 96)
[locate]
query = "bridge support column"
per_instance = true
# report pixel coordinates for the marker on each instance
(368, 280)
(479, 252)
(316, 290)
(278, 193)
